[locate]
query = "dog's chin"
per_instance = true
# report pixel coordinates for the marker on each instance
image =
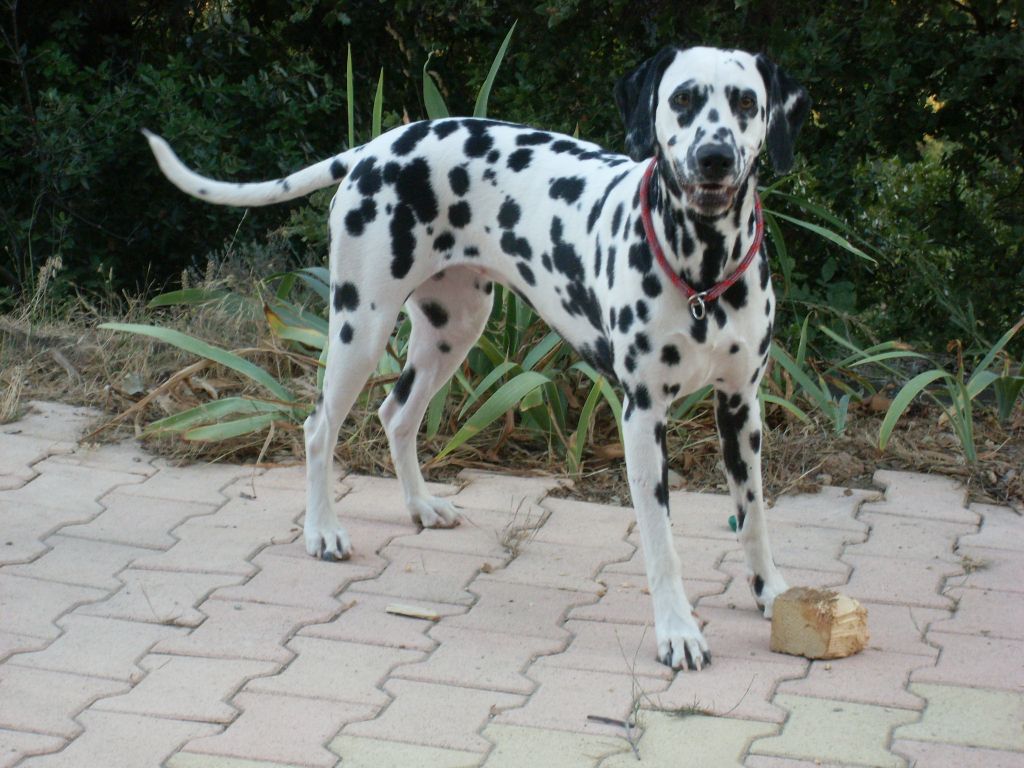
(710, 199)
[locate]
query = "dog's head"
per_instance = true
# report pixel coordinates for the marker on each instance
(708, 113)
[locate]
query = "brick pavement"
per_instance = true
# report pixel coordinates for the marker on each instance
(153, 615)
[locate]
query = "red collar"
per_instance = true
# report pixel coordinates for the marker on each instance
(696, 299)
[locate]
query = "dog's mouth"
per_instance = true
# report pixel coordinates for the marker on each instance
(710, 198)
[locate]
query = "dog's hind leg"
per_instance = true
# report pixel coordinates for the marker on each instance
(359, 331)
(448, 314)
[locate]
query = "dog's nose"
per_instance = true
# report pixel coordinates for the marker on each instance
(715, 161)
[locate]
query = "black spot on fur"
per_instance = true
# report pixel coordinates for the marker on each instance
(758, 585)
(414, 190)
(445, 128)
(480, 140)
(410, 137)
(508, 214)
(435, 313)
(566, 146)
(625, 318)
(734, 349)
(338, 169)
(516, 246)
(532, 139)
(640, 258)
(444, 347)
(444, 242)
(736, 295)
(755, 440)
(346, 333)
(670, 354)
(520, 159)
(493, 156)
(403, 387)
(403, 242)
(617, 219)
(526, 272)
(346, 296)
(652, 286)
(568, 188)
(642, 343)
(641, 310)
(357, 219)
(459, 179)
(642, 397)
(730, 423)
(459, 214)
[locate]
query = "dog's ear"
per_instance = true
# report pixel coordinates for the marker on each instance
(788, 107)
(635, 95)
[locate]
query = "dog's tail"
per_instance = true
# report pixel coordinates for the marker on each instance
(317, 176)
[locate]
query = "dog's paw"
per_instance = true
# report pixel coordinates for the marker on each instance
(681, 644)
(330, 543)
(765, 590)
(432, 512)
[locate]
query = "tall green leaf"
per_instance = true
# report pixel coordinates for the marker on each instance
(433, 101)
(480, 109)
(350, 95)
(378, 107)
(902, 401)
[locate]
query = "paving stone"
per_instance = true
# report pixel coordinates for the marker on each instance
(336, 671)
(47, 702)
(869, 677)
(899, 581)
(700, 558)
(931, 497)
(560, 566)
(627, 600)
(701, 515)
(30, 607)
(619, 648)
(969, 717)
(196, 760)
(187, 688)
(564, 698)
(56, 421)
(501, 492)
(480, 533)
(806, 547)
(972, 660)
(909, 537)
(519, 610)
(19, 452)
(762, 761)
(380, 500)
(1001, 528)
(924, 753)
(901, 628)
(159, 597)
(738, 594)
(366, 620)
(985, 612)
(15, 745)
(475, 659)
(116, 740)
(284, 729)
(125, 456)
(515, 746)
(830, 507)
(991, 569)
(138, 522)
(205, 549)
(359, 752)
(422, 574)
(69, 488)
(710, 742)
(581, 523)
(835, 731)
(79, 562)
(301, 582)
(11, 644)
(99, 647)
(435, 715)
(26, 526)
(203, 481)
(731, 687)
(241, 630)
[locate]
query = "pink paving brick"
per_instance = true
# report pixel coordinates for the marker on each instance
(160, 597)
(519, 610)
(830, 507)
(366, 620)
(242, 630)
(1001, 528)
(55, 421)
(701, 515)
(138, 522)
(11, 644)
(202, 483)
(26, 526)
(733, 687)
(46, 702)
(733, 633)
(926, 496)
(187, 688)
(901, 628)
(501, 492)
(565, 698)
(15, 745)
(80, 562)
(282, 729)
(617, 648)
(479, 533)
(119, 457)
(475, 659)
(560, 566)
(997, 569)
(423, 574)
(700, 558)
(30, 607)
(68, 487)
(206, 549)
(627, 601)
(98, 647)
(899, 581)
(985, 612)
(739, 595)
(909, 537)
(19, 452)
(986, 662)
(436, 715)
(380, 500)
(114, 740)
(926, 753)
(807, 547)
(335, 670)
(869, 677)
(584, 524)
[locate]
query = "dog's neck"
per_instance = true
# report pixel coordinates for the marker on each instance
(701, 249)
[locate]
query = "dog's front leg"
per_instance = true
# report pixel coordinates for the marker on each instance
(680, 642)
(738, 415)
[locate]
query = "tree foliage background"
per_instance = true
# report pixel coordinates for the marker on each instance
(916, 137)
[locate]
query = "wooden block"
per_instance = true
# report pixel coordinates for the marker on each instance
(818, 624)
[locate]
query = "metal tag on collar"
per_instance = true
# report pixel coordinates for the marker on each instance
(697, 308)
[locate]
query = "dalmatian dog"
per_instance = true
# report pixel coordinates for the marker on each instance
(640, 262)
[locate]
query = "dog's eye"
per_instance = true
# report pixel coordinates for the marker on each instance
(681, 99)
(747, 103)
